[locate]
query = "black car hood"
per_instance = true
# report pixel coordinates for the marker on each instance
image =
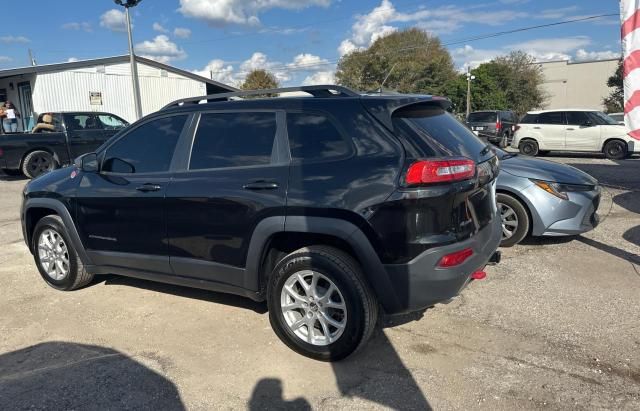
(529, 167)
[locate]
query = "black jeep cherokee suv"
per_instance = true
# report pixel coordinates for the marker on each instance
(327, 207)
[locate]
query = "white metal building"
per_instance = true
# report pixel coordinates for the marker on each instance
(582, 84)
(99, 85)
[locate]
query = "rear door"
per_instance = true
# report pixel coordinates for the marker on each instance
(582, 133)
(552, 130)
(483, 122)
(85, 133)
(235, 176)
(121, 209)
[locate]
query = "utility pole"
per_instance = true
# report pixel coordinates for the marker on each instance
(127, 4)
(32, 59)
(470, 77)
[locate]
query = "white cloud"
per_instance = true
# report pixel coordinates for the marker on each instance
(114, 20)
(549, 49)
(182, 32)
(446, 19)
(218, 70)
(306, 61)
(558, 13)
(5, 59)
(160, 49)
(468, 56)
(222, 12)
(159, 28)
(14, 39)
(260, 60)
(72, 60)
(83, 25)
(320, 77)
(584, 55)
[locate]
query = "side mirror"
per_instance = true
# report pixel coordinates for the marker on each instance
(89, 163)
(587, 123)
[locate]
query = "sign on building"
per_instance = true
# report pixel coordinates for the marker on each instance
(95, 98)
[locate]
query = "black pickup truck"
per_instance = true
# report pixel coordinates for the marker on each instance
(57, 142)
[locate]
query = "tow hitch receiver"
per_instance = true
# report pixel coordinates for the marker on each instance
(495, 258)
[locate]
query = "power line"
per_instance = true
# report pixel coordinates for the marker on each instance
(303, 67)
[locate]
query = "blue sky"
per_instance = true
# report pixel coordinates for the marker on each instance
(298, 40)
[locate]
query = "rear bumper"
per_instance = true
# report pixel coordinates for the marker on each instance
(420, 283)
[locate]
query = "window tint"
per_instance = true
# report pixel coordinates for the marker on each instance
(110, 122)
(83, 122)
(529, 119)
(552, 117)
(577, 118)
(482, 117)
(602, 118)
(313, 136)
(233, 140)
(148, 148)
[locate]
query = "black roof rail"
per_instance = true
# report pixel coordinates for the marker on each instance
(323, 91)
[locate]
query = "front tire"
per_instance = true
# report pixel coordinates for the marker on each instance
(615, 150)
(37, 163)
(319, 304)
(55, 257)
(515, 220)
(529, 148)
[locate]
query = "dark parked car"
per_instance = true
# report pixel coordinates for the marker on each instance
(495, 126)
(57, 139)
(326, 207)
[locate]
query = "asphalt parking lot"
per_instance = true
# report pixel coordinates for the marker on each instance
(555, 325)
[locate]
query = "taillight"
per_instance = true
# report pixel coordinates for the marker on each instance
(440, 171)
(516, 127)
(454, 259)
(1, 152)
(498, 125)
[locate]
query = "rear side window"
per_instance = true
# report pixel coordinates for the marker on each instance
(147, 149)
(529, 119)
(577, 118)
(433, 130)
(552, 117)
(233, 140)
(482, 117)
(314, 137)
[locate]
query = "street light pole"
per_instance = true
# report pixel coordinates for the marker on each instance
(469, 78)
(132, 57)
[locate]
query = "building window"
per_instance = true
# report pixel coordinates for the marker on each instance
(3, 95)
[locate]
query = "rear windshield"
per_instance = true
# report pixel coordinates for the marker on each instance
(437, 133)
(482, 117)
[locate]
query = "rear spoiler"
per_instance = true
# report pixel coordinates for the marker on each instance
(382, 108)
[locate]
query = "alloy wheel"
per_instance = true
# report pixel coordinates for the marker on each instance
(509, 221)
(53, 254)
(313, 308)
(40, 164)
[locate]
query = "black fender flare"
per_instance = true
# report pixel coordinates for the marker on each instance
(64, 214)
(373, 268)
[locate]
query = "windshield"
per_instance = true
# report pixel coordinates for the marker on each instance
(482, 117)
(603, 118)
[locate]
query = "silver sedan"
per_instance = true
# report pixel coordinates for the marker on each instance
(542, 198)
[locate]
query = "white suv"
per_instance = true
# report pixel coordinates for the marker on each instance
(573, 130)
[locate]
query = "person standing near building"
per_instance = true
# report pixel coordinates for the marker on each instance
(2, 116)
(12, 116)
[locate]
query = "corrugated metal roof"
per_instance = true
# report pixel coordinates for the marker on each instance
(109, 60)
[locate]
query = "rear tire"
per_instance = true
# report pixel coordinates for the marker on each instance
(55, 257)
(504, 141)
(331, 323)
(515, 220)
(529, 148)
(615, 150)
(37, 163)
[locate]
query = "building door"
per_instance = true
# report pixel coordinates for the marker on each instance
(26, 105)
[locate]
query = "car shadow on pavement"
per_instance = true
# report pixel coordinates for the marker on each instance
(187, 292)
(5, 177)
(614, 251)
(62, 375)
(267, 395)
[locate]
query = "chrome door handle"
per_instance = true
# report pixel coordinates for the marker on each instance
(261, 185)
(149, 187)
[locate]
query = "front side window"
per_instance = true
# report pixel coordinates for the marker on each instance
(313, 136)
(146, 149)
(602, 119)
(577, 118)
(552, 117)
(80, 122)
(233, 140)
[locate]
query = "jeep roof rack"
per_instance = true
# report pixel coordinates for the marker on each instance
(323, 91)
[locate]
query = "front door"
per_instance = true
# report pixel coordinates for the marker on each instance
(85, 133)
(26, 106)
(121, 209)
(236, 176)
(582, 133)
(552, 128)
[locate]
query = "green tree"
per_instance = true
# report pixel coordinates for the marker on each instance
(411, 61)
(614, 103)
(259, 79)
